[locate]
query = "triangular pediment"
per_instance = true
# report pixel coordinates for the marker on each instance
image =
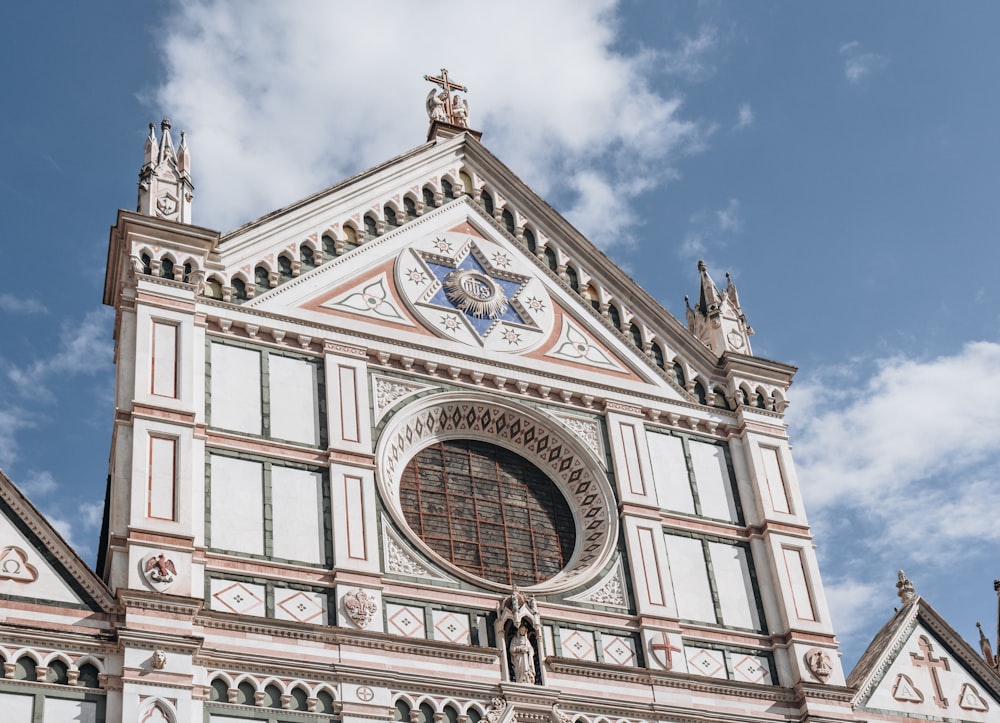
(37, 566)
(918, 667)
(356, 231)
(452, 282)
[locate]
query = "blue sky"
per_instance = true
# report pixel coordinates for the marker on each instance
(840, 159)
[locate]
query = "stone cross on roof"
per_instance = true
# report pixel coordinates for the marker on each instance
(443, 106)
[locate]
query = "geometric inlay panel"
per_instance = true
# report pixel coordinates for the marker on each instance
(751, 668)
(707, 662)
(578, 644)
(300, 606)
(618, 649)
(405, 620)
(237, 597)
(453, 627)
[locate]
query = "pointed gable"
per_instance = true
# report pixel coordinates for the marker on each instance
(36, 563)
(917, 666)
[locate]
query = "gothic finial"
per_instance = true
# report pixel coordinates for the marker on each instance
(165, 188)
(984, 645)
(904, 588)
(702, 266)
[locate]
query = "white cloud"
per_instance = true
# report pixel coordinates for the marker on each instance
(283, 99)
(691, 59)
(859, 64)
(84, 348)
(12, 420)
(744, 117)
(850, 603)
(729, 218)
(38, 484)
(907, 446)
(18, 305)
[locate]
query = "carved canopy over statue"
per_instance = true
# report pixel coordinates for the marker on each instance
(444, 107)
(518, 629)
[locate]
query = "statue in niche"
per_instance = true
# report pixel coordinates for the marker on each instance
(522, 656)
(517, 627)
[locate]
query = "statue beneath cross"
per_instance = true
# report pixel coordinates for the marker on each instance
(445, 107)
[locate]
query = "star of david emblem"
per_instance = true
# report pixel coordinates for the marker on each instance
(474, 291)
(483, 293)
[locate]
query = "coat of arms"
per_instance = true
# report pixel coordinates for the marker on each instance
(361, 607)
(159, 571)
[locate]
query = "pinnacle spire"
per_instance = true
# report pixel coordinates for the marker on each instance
(717, 318)
(165, 188)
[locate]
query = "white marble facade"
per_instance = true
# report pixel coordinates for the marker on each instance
(271, 554)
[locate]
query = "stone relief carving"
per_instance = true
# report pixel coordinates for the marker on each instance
(14, 565)
(390, 391)
(158, 570)
(360, 607)
(820, 664)
(611, 593)
(587, 430)
(498, 706)
(399, 561)
(159, 660)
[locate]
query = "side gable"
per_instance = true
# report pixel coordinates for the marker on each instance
(37, 566)
(919, 667)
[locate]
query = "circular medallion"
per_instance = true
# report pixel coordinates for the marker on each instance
(496, 493)
(476, 292)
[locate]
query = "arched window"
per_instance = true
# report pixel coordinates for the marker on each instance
(166, 268)
(486, 201)
(330, 244)
(390, 217)
(426, 713)
(450, 714)
(614, 316)
(657, 354)
(300, 699)
(89, 676)
(572, 278)
(324, 702)
(529, 241)
(636, 333)
(24, 668)
(550, 258)
(213, 289)
(474, 715)
(447, 190)
(219, 692)
(699, 393)
(272, 697)
(508, 221)
(410, 206)
(244, 693)
(306, 256)
(350, 238)
(371, 228)
(260, 277)
(146, 261)
(466, 181)
(593, 297)
(57, 673)
(428, 198)
(239, 290)
(759, 402)
(186, 278)
(679, 375)
(284, 269)
(401, 712)
(720, 400)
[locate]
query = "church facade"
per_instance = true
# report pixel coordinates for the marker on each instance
(413, 449)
